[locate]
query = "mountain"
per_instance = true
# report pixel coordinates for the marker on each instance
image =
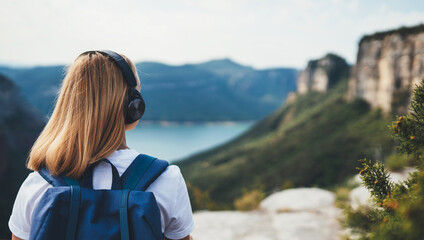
(338, 116)
(322, 74)
(388, 66)
(20, 124)
(218, 90)
(39, 85)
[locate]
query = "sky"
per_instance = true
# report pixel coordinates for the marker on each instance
(258, 33)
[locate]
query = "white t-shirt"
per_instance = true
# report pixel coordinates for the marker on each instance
(169, 189)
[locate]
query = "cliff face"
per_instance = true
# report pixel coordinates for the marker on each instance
(388, 66)
(321, 74)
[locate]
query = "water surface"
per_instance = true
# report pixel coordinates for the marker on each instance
(173, 142)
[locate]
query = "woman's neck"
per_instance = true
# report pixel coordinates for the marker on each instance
(123, 144)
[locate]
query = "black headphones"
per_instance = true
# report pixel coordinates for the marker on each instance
(135, 105)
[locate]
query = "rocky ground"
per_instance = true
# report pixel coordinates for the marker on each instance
(302, 213)
(294, 214)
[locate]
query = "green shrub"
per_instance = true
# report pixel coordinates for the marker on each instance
(400, 211)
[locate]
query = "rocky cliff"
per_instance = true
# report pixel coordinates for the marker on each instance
(388, 66)
(322, 74)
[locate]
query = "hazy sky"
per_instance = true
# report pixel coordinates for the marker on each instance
(260, 33)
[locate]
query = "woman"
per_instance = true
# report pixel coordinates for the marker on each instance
(88, 124)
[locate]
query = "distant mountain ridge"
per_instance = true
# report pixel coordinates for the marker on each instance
(217, 90)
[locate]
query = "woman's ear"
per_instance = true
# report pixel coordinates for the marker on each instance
(131, 126)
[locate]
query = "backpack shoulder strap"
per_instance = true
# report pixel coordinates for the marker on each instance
(139, 175)
(155, 170)
(58, 181)
(142, 172)
(55, 181)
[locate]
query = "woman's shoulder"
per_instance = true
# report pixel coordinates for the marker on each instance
(171, 180)
(34, 183)
(31, 190)
(171, 172)
(29, 194)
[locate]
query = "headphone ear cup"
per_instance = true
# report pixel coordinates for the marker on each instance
(136, 106)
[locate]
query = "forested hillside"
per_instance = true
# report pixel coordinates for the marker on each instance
(314, 141)
(20, 124)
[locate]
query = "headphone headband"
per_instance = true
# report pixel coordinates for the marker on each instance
(135, 105)
(122, 64)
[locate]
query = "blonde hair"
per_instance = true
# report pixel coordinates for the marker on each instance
(88, 122)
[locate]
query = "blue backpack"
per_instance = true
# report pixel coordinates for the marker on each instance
(71, 209)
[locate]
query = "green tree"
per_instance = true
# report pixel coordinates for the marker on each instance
(399, 210)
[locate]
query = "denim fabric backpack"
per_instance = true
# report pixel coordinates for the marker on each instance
(71, 209)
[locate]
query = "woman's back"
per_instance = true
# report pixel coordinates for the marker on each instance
(169, 189)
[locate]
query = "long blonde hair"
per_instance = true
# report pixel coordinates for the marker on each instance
(88, 122)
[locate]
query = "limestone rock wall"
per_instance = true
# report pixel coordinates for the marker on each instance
(388, 66)
(322, 74)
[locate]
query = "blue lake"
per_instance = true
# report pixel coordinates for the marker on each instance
(173, 142)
